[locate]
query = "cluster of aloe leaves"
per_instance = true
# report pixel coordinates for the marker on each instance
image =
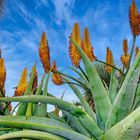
(116, 115)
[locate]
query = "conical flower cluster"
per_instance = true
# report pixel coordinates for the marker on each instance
(125, 56)
(35, 81)
(86, 45)
(74, 54)
(22, 84)
(109, 60)
(2, 74)
(44, 53)
(56, 78)
(134, 19)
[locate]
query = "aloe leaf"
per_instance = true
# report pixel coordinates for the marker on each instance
(23, 106)
(38, 92)
(31, 134)
(113, 86)
(74, 120)
(82, 99)
(39, 89)
(137, 98)
(89, 124)
(57, 110)
(42, 108)
(101, 99)
(121, 107)
(63, 132)
(29, 113)
(80, 74)
(41, 120)
(127, 129)
(53, 116)
(74, 110)
(43, 99)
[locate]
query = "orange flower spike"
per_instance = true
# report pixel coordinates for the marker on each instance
(87, 48)
(22, 84)
(133, 19)
(56, 78)
(35, 81)
(74, 54)
(107, 55)
(111, 57)
(2, 74)
(125, 60)
(125, 47)
(44, 53)
(109, 60)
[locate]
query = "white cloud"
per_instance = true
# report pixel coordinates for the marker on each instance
(63, 11)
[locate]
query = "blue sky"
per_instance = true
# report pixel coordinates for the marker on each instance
(24, 21)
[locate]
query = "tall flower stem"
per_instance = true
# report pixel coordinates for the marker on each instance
(131, 53)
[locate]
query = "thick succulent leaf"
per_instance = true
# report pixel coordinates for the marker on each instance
(101, 99)
(74, 110)
(41, 120)
(63, 132)
(82, 76)
(124, 100)
(127, 129)
(104, 75)
(33, 134)
(43, 99)
(42, 108)
(113, 86)
(38, 92)
(83, 102)
(90, 126)
(137, 98)
(74, 120)
(53, 116)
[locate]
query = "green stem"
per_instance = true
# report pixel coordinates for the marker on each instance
(131, 53)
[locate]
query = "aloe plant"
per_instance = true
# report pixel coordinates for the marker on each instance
(80, 123)
(116, 113)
